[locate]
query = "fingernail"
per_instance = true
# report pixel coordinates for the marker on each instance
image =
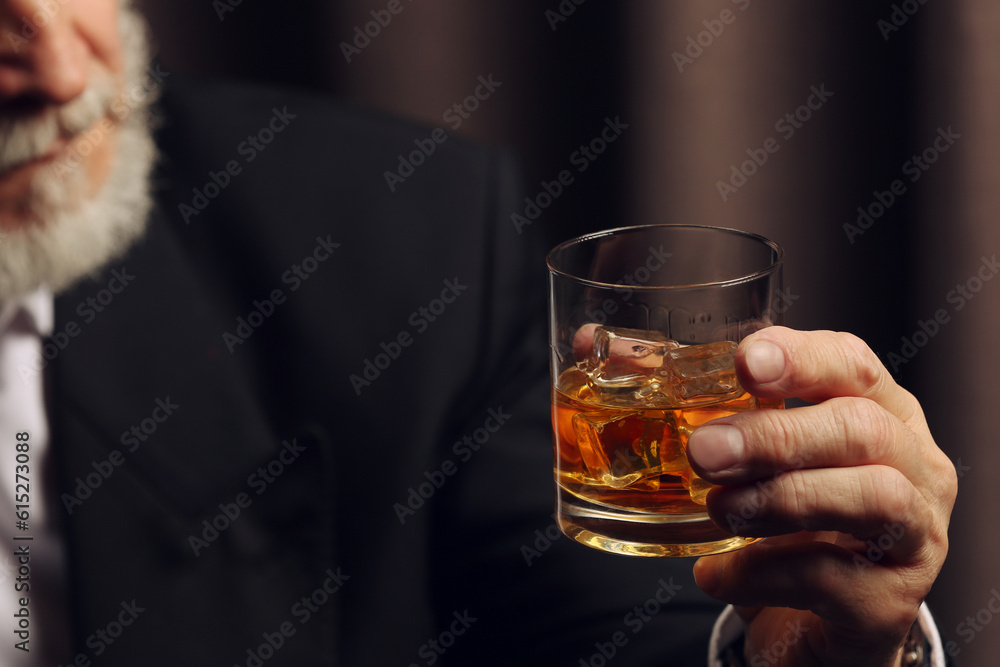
(716, 448)
(765, 361)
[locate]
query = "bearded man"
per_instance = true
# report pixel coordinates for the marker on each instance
(244, 394)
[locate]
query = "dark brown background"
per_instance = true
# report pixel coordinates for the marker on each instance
(940, 69)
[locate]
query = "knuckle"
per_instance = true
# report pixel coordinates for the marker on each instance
(892, 496)
(865, 426)
(862, 364)
(945, 489)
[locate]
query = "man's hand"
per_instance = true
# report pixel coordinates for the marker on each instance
(852, 493)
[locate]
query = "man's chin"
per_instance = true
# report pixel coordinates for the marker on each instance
(61, 252)
(61, 231)
(16, 196)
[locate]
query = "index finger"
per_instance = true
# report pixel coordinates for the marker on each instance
(778, 362)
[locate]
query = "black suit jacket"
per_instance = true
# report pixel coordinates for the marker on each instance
(325, 407)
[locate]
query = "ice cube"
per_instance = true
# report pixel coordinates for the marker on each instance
(700, 372)
(626, 366)
(696, 487)
(628, 449)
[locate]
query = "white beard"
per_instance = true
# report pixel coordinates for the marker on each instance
(69, 236)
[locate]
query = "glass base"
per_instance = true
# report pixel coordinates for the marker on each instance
(641, 534)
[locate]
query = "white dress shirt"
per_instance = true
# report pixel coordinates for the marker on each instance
(729, 626)
(38, 578)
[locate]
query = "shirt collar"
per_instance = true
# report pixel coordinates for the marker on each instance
(38, 307)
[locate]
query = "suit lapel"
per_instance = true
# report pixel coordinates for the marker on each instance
(146, 376)
(157, 430)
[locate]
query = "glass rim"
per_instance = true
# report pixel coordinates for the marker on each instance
(777, 262)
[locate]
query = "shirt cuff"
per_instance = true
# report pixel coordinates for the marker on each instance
(729, 626)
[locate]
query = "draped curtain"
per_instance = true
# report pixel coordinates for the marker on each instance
(862, 136)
